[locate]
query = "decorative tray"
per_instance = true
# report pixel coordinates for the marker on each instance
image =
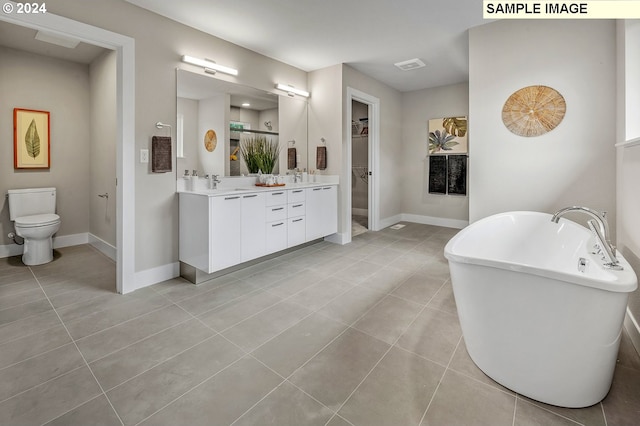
(270, 186)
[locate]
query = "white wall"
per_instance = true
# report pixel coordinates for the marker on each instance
(102, 76)
(573, 164)
(61, 87)
(628, 158)
(418, 108)
(325, 117)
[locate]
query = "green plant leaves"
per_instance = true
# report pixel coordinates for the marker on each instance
(32, 140)
(260, 154)
(441, 141)
(457, 126)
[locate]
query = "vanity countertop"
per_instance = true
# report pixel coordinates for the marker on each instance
(248, 189)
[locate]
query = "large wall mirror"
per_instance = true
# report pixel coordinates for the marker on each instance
(216, 117)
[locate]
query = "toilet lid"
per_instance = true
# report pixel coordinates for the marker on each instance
(37, 220)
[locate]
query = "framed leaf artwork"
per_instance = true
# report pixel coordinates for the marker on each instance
(448, 135)
(31, 139)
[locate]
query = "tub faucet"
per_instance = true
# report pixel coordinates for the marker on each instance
(601, 232)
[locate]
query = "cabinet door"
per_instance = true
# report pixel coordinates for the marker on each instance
(296, 231)
(253, 227)
(314, 213)
(276, 236)
(329, 210)
(224, 240)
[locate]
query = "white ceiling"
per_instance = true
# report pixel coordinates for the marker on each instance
(368, 35)
(23, 38)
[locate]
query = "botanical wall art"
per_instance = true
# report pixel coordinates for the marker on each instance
(533, 111)
(31, 136)
(448, 135)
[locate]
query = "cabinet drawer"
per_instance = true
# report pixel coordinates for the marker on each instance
(276, 213)
(296, 209)
(296, 195)
(275, 198)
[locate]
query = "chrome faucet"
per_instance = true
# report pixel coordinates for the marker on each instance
(601, 233)
(297, 177)
(215, 181)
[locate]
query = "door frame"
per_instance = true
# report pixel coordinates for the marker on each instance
(125, 112)
(374, 161)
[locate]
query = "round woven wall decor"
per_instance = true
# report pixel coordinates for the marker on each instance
(210, 140)
(533, 111)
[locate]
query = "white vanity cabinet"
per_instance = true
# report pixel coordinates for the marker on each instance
(218, 231)
(322, 211)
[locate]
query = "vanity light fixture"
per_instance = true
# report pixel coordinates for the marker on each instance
(208, 65)
(292, 90)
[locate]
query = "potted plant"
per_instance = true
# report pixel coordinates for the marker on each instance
(260, 154)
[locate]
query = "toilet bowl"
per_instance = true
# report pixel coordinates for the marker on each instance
(33, 213)
(37, 232)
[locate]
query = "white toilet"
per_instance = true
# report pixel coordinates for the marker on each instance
(33, 211)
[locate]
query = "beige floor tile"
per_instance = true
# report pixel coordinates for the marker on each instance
(388, 319)
(32, 372)
(460, 400)
(237, 310)
(262, 327)
(338, 369)
(139, 357)
(397, 392)
(147, 393)
(97, 412)
(295, 346)
(433, 335)
(221, 399)
(286, 406)
(50, 400)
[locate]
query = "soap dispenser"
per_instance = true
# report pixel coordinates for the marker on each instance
(187, 181)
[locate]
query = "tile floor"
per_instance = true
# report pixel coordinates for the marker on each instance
(361, 334)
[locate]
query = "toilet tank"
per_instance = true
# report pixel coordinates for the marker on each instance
(31, 201)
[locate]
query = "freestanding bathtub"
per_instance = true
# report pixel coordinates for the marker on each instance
(534, 316)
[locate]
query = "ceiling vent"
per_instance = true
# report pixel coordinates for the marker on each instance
(411, 64)
(58, 40)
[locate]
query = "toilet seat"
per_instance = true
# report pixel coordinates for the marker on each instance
(37, 220)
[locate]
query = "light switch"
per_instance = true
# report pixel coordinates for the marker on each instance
(144, 155)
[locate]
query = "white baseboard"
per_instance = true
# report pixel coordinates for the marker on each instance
(359, 212)
(157, 275)
(388, 221)
(633, 328)
(71, 240)
(339, 238)
(104, 247)
(437, 221)
(58, 242)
